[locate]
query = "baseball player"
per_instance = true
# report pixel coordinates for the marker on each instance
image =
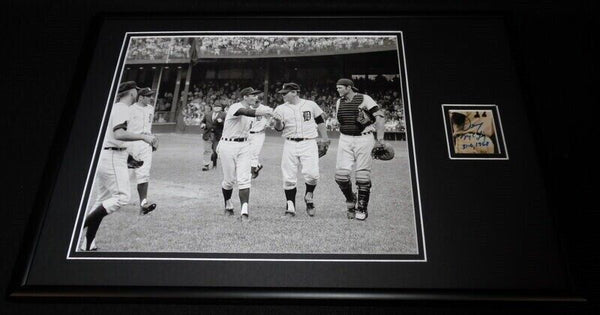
(299, 120)
(359, 118)
(141, 115)
(234, 149)
(257, 139)
(112, 176)
(212, 124)
(473, 131)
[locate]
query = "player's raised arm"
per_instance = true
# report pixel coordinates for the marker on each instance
(260, 111)
(278, 119)
(249, 99)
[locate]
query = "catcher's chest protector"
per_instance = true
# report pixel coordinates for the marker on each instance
(347, 116)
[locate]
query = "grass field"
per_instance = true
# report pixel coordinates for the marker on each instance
(189, 216)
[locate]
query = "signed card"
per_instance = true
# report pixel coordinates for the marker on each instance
(474, 132)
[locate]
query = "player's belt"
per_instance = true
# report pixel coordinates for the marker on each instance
(299, 139)
(114, 148)
(362, 134)
(235, 139)
(254, 132)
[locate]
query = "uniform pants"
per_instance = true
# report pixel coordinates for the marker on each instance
(355, 150)
(300, 153)
(143, 152)
(112, 181)
(207, 150)
(235, 161)
(256, 143)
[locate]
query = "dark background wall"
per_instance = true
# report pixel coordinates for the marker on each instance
(554, 48)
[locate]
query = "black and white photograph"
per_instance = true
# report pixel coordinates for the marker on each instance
(474, 132)
(254, 146)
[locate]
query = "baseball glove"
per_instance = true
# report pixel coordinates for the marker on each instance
(382, 151)
(133, 163)
(323, 146)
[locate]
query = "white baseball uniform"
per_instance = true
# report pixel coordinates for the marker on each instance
(257, 137)
(140, 121)
(300, 146)
(112, 176)
(234, 149)
(475, 135)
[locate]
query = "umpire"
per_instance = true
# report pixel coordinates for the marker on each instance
(212, 124)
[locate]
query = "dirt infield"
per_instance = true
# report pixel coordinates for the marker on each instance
(189, 216)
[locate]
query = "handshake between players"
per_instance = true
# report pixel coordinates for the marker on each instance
(301, 122)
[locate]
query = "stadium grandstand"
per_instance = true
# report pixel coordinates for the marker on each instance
(190, 73)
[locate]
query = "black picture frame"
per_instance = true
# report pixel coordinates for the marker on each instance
(535, 286)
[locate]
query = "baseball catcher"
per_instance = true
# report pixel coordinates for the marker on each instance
(360, 120)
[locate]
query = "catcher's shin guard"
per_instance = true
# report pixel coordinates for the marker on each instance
(364, 192)
(343, 181)
(345, 185)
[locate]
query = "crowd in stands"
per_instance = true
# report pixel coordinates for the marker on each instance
(158, 48)
(209, 92)
(273, 45)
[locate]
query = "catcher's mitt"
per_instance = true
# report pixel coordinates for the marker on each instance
(323, 146)
(382, 151)
(133, 163)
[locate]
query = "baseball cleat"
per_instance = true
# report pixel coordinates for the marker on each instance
(206, 168)
(351, 205)
(93, 246)
(310, 206)
(350, 214)
(228, 208)
(361, 214)
(244, 217)
(290, 210)
(147, 209)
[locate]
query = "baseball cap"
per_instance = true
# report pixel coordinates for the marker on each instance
(128, 85)
(249, 91)
(347, 82)
(145, 92)
(289, 87)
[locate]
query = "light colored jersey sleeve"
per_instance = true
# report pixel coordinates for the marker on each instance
(150, 118)
(232, 110)
(279, 110)
(119, 116)
(368, 102)
(317, 111)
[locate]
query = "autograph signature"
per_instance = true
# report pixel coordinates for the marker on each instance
(477, 140)
(470, 126)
